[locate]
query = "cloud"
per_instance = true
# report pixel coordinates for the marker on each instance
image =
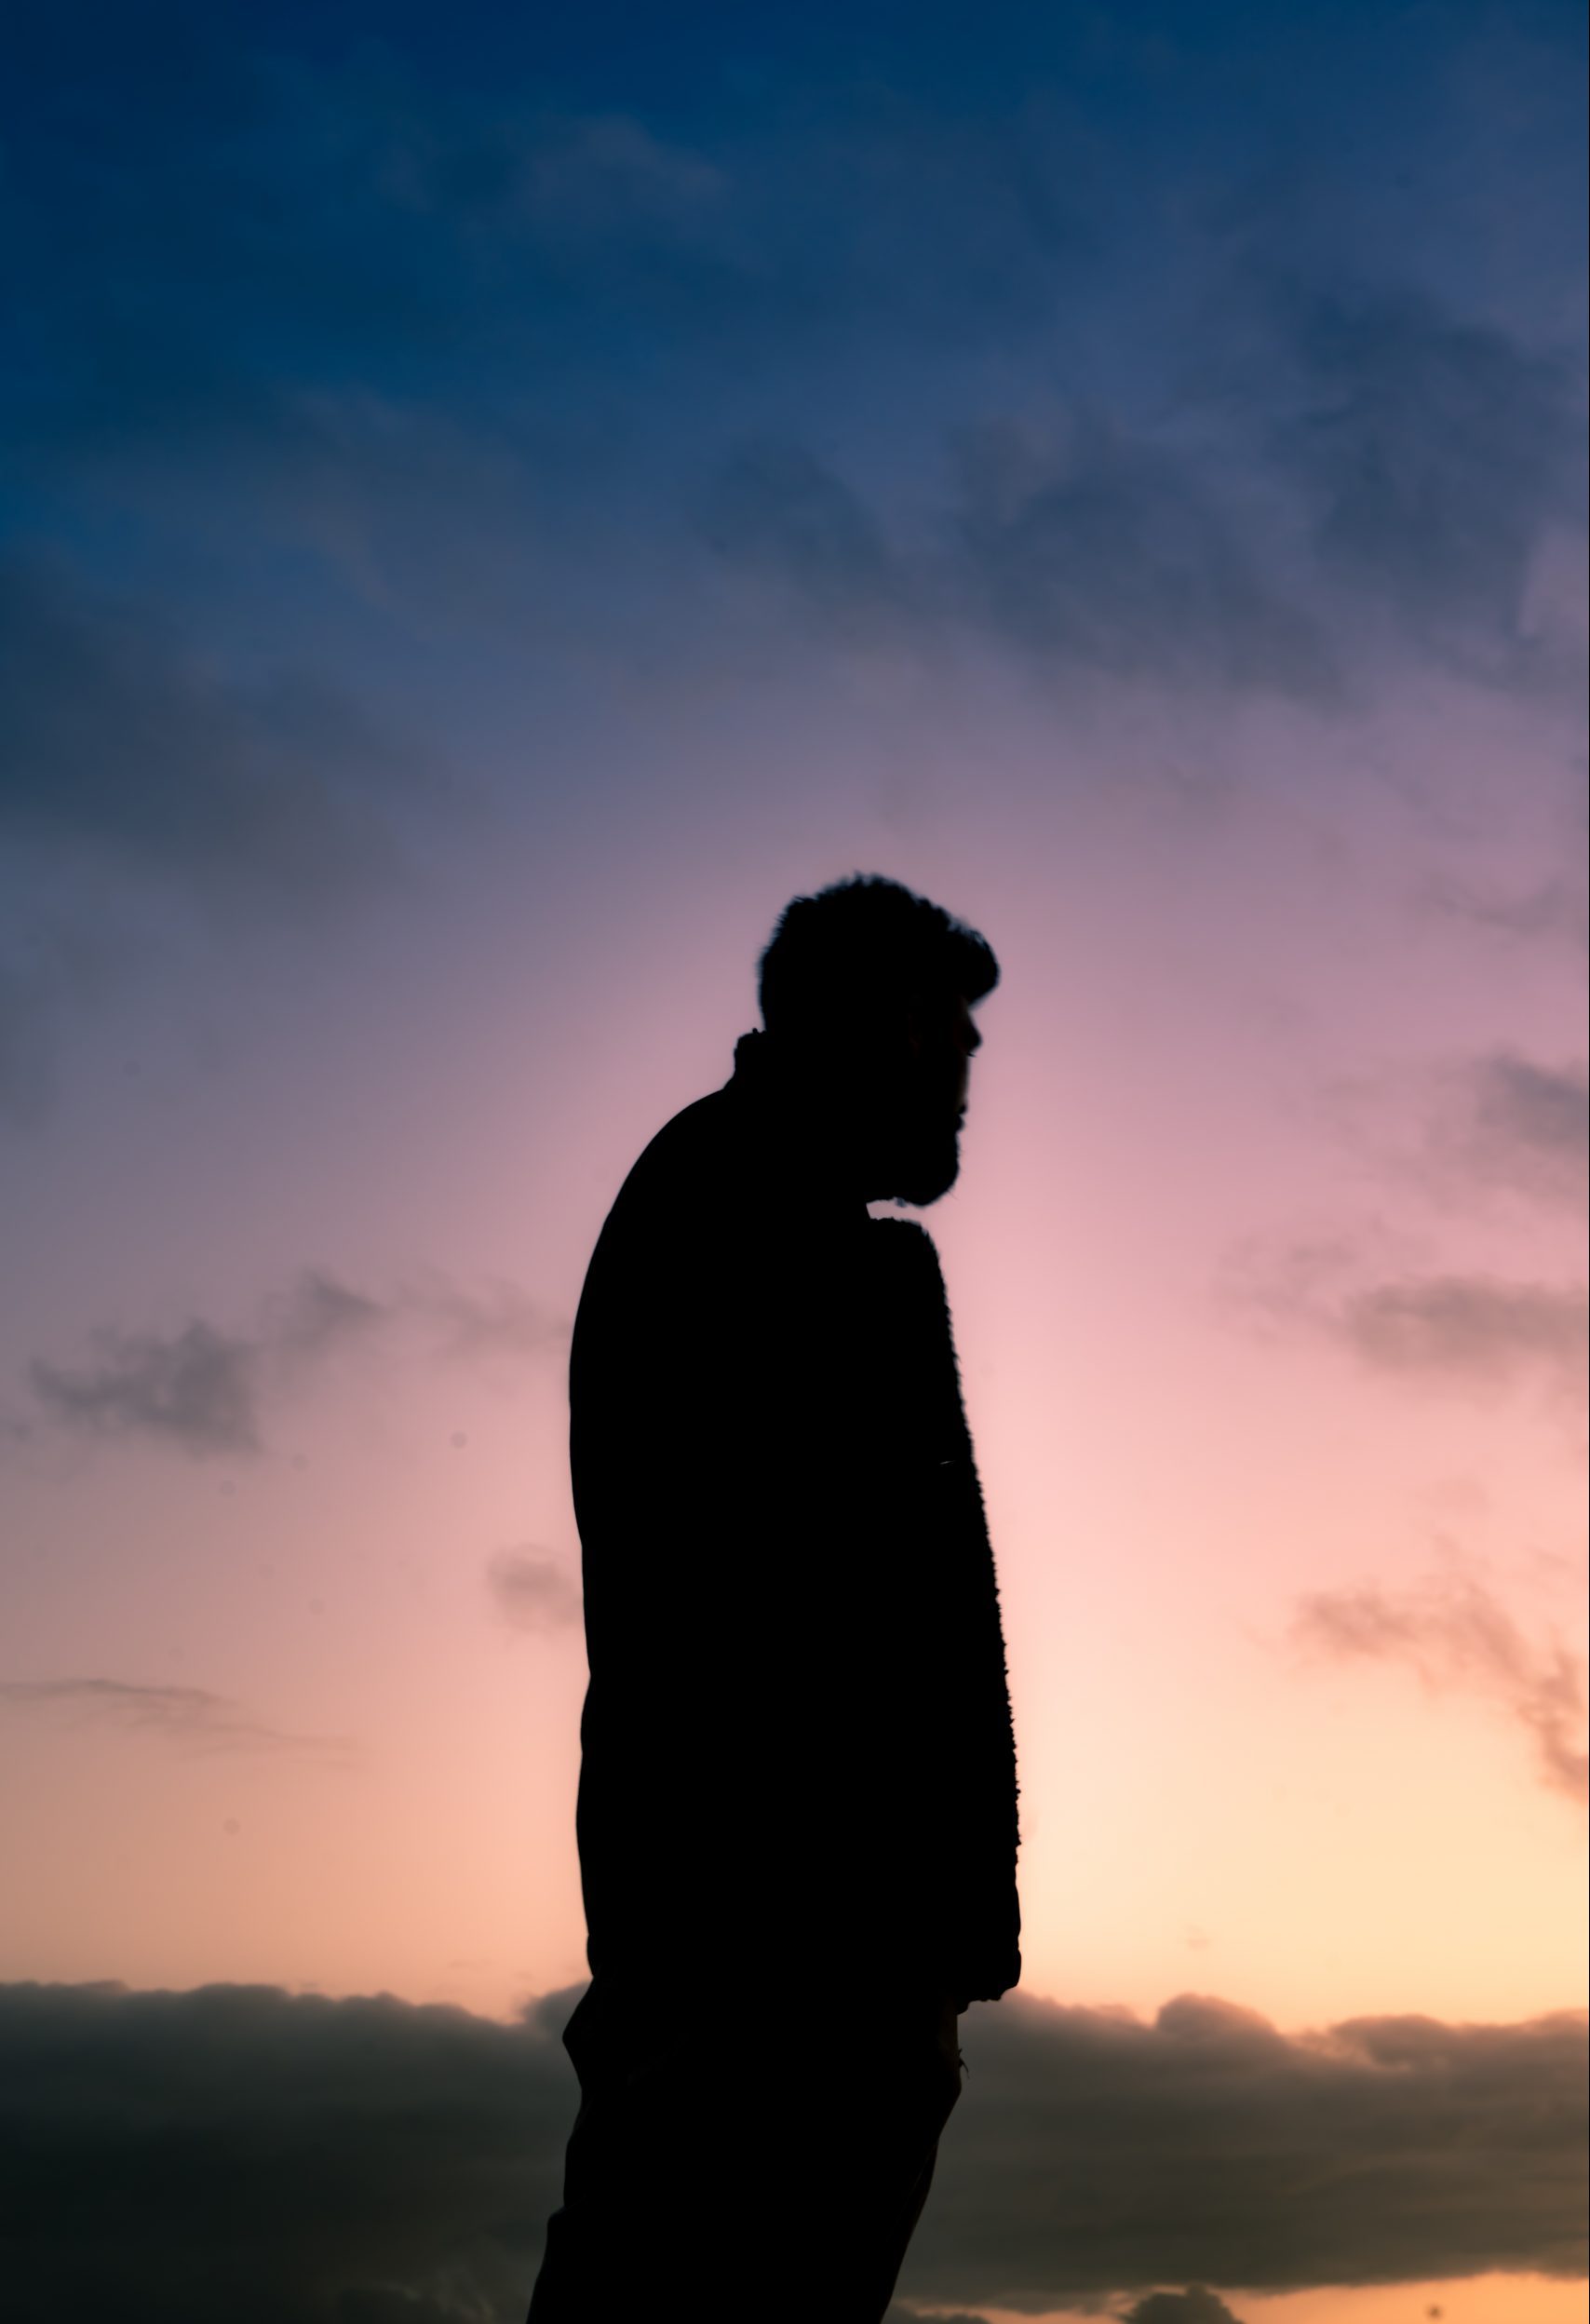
(601, 176)
(1195, 2305)
(1476, 1334)
(48, 968)
(26, 1049)
(363, 2306)
(1467, 1128)
(197, 1389)
(1556, 910)
(896, 2315)
(1454, 1632)
(278, 2160)
(502, 1320)
(333, 216)
(1076, 545)
(124, 741)
(1385, 457)
(1089, 547)
(236, 2151)
(202, 1388)
(775, 508)
(531, 1590)
(1514, 1122)
(145, 766)
(190, 1717)
(1209, 2147)
(462, 342)
(318, 1314)
(1468, 1329)
(1437, 451)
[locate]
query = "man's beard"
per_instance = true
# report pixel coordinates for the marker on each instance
(927, 1155)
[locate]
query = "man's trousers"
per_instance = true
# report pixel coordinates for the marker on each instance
(742, 2157)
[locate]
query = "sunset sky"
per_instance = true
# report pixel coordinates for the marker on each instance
(497, 502)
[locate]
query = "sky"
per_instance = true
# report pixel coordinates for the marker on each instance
(496, 503)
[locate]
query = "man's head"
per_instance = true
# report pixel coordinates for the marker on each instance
(867, 991)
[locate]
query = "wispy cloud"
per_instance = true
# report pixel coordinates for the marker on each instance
(1456, 1634)
(190, 1718)
(1205, 2148)
(1466, 1130)
(51, 965)
(157, 779)
(124, 739)
(1514, 1121)
(202, 1388)
(1467, 1329)
(498, 1319)
(1434, 451)
(1071, 543)
(1087, 546)
(1556, 910)
(530, 1590)
(1469, 1333)
(197, 1389)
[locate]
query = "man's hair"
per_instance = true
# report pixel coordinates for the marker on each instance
(843, 960)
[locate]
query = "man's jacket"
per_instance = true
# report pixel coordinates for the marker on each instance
(797, 1747)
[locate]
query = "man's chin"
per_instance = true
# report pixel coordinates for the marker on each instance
(929, 1180)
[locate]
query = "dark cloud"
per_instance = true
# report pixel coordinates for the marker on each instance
(203, 1388)
(1089, 547)
(778, 508)
(318, 1314)
(197, 1388)
(1209, 2147)
(190, 1717)
(1555, 910)
(1195, 2305)
(178, 2156)
(175, 2156)
(1478, 1333)
(27, 1049)
(1076, 546)
(469, 222)
(1437, 451)
(1455, 1633)
(1463, 1130)
(47, 969)
(124, 739)
(1522, 1123)
(501, 1321)
(896, 2315)
(1429, 463)
(455, 327)
(1469, 1329)
(532, 1592)
(363, 2306)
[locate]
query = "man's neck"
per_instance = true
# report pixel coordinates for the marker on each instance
(804, 1125)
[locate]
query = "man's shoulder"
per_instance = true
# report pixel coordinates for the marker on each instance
(679, 1198)
(687, 1164)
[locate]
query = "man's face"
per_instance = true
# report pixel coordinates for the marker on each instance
(919, 1149)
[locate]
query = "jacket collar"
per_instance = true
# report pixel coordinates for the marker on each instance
(789, 1131)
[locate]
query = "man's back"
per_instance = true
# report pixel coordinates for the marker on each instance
(796, 1744)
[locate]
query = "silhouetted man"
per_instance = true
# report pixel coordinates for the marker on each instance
(797, 1814)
